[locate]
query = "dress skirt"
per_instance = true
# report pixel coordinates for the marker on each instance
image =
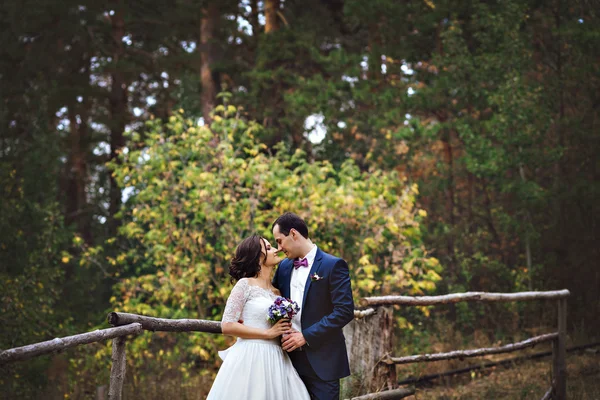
(257, 369)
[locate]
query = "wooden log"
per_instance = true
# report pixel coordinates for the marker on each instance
(459, 297)
(388, 394)
(559, 364)
(117, 370)
(358, 314)
(548, 394)
(59, 344)
(368, 340)
(473, 353)
(164, 324)
(506, 363)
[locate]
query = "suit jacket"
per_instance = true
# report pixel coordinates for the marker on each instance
(326, 308)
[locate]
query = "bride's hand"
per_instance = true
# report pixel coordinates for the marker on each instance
(281, 327)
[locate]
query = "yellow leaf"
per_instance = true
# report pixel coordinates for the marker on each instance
(204, 354)
(430, 4)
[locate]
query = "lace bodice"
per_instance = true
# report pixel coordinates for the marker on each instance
(249, 303)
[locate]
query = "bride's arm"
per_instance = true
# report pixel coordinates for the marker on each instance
(248, 332)
(233, 311)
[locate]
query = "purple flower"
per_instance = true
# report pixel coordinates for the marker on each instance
(282, 308)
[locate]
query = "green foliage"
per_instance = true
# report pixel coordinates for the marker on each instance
(490, 108)
(32, 239)
(196, 192)
(494, 138)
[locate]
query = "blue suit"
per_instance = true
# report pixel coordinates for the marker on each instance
(326, 308)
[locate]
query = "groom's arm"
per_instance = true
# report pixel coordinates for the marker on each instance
(343, 307)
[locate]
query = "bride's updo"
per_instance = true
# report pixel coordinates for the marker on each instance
(246, 263)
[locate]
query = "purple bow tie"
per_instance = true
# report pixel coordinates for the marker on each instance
(300, 263)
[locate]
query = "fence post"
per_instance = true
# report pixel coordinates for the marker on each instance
(368, 341)
(117, 370)
(559, 353)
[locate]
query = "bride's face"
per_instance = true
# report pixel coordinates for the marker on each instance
(271, 252)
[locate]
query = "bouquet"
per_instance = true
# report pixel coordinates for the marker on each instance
(282, 308)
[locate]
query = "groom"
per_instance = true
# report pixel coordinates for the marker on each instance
(320, 284)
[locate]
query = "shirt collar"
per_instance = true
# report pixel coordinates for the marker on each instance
(310, 257)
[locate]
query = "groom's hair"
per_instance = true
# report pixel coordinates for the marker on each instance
(289, 221)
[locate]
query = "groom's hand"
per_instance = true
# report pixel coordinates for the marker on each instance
(292, 341)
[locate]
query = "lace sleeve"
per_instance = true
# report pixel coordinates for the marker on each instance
(236, 301)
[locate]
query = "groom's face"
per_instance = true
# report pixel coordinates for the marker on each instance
(285, 243)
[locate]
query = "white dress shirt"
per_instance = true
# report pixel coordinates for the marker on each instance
(297, 284)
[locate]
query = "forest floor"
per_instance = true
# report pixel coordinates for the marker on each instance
(524, 381)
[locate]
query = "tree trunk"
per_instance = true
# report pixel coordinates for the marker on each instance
(272, 20)
(374, 72)
(208, 22)
(369, 341)
(487, 202)
(254, 19)
(449, 160)
(529, 223)
(118, 110)
(561, 211)
(471, 199)
(76, 175)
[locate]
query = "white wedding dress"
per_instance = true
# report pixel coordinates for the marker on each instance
(255, 369)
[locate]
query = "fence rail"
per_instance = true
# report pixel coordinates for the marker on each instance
(126, 324)
(460, 297)
(387, 394)
(59, 344)
(509, 348)
(164, 324)
(490, 364)
(558, 339)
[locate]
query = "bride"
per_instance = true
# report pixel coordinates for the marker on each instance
(255, 367)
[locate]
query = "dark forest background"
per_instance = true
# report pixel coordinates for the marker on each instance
(486, 111)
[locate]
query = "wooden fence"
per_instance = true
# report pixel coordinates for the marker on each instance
(372, 343)
(369, 336)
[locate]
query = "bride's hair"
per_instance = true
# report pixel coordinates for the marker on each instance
(246, 263)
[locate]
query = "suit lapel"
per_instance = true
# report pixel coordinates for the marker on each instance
(313, 270)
